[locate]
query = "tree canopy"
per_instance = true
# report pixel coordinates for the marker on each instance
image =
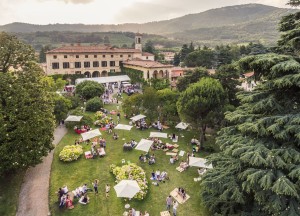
(200, 103)
(89, 89)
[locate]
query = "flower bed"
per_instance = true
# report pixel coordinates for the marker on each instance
(70, 153)
(132, 172)
(102, 119)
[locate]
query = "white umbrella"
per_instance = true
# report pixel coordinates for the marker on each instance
(182, 125)
(199, 162)
(73, 118)
(137, 117)
(127, 188)
(144, 145)
(158, 134)
(123, 127)
(90, 134)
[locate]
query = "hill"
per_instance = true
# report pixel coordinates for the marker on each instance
(250, 22)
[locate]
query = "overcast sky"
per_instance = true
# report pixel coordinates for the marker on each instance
(109, 11)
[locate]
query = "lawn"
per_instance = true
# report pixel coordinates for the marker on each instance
(74, 174)
(10, 186)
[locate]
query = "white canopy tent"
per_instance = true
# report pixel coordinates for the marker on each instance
(182, 125)
(158, 134)
(137, 117)
(90, 134)
(199, 162)
(123, 127)
(127, 188)
(102, 80)
(73, 118)
(144, 145)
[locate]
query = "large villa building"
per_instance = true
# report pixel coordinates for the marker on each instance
(100, 60)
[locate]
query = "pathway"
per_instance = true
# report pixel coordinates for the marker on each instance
(34, 194)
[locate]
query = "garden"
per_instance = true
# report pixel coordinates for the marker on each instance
(111, 168)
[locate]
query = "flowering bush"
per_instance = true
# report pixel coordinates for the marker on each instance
(99, 115)
(70, 153)
(102, 119)
(132, 172)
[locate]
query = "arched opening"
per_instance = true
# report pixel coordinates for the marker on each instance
(160, 74)
(96, 74)
(139, 40)
(167, 74)
(104, 74)
(155, 74)
(148, 75)
(87, 74)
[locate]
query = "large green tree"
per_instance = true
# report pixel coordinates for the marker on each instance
(89, 89)
(191, 76)
(26, 119)
(258, 170)
(13, 53)
(201, 103)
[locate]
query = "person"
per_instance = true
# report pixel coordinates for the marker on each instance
(69, 203)
(171, 160)
(169, 202)
(146, 213)
(115, 136)
(141, 158)
(153, 175)
(84, 199)
(60, 193)
(107, 189)
(62, 201)
(133, 213)
(183, 193)
(84, 188)
(157, 173)
(95, 184)
(175, 205)
(65, 189)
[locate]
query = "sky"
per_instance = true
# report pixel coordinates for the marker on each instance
(109, 11)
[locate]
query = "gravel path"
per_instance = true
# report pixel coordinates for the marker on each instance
(34, 194)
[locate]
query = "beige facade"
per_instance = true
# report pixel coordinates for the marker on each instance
(151, 69)
(92, 61)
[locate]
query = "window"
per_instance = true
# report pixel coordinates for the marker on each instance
(65, 56)
(112, 63)
(55, 65)
(104, 63)
(77, 64)
(87, 64)
(77, 56)
(77, 72)
(112, 56)
(66, 65)
(121, 56)
(95, 56)
(129, 55)
(95, 64)
(86, 56)
(146, 57)
(55, 56)
(103, 56)
(120, 63)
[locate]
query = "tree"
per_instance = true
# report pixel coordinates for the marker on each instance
(149, 47)
(184, 52)
(94, 104)
(200, 58)
(191, 77)
(159, 84)
(26, 118)
(89, 89)
(14, 53)
(62, 106)
(106, 40)
(176, 60)
(132, 105)
(294, 3)
(257, 171)
(42, 54)
(150, 103)
(200, 103)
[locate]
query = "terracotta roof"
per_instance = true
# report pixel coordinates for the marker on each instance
(138, 34)
(249, 74)
(146, 63)
(147, 54)
(91, 49)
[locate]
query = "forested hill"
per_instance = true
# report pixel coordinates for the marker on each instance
(239, 23)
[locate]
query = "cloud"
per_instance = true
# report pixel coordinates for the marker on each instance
(72, 1)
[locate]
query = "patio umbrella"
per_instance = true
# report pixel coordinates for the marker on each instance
(73, 118)
(199, 162)
(127, 188)
(182, 125)
(123, 127)
(158, 134)
(144, 145)
(90, 134)
(137, 117)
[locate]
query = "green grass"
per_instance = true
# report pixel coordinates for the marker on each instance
(82, 171)
(10, 186)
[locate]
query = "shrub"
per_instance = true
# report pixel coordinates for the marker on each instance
(134, 172)
(86, 119)
(70, 153)
(89, 89)
(94, 104)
